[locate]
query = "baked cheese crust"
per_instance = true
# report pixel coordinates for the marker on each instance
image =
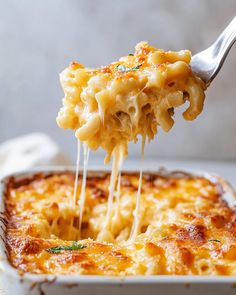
(186, 226)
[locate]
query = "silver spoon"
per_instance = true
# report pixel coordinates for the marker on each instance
(207, 63)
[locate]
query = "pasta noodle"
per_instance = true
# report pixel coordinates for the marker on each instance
(110, 106)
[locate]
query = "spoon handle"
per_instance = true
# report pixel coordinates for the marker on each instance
(206, 64)
(223, 44)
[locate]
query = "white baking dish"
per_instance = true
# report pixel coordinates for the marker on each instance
(12, 283)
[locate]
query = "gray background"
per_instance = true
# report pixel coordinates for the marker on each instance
(39, 38)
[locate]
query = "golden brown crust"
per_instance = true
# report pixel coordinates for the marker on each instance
(186, 228)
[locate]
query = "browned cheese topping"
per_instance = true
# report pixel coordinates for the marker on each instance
(185, 226)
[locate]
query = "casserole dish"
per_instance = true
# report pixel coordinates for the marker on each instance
(13, 283)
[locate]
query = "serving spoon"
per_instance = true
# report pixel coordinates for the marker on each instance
(207, 63)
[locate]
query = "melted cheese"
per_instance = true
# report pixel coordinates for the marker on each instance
(76, 173)
(106, 234)
(136, 222)
(83, 188)
(185, 226)
(110, 106)
(75, 184)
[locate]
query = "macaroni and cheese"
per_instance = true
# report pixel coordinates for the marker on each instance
(110, 106)
(186, 227)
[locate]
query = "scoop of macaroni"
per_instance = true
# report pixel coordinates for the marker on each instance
(110, 106)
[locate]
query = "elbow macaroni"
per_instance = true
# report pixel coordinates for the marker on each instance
(185, 226)
(112, 105)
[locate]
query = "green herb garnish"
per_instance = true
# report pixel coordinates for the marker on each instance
(131, 54)
(123, 68)
(214, 240)
(59, 249)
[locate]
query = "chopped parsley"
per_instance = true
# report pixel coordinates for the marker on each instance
(131, 54)
(214, 240)
(123, 68)
(59, 249)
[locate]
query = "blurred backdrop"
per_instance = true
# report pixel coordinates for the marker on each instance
(38, 39)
